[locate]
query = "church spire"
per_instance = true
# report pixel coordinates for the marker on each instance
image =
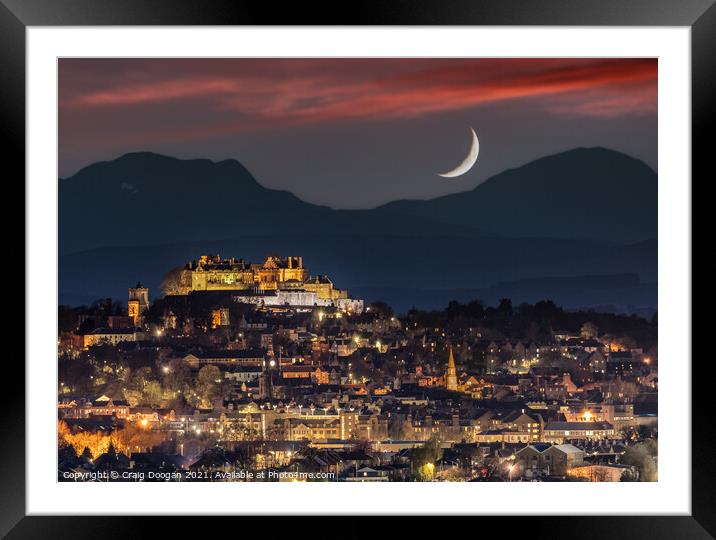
(451, 374)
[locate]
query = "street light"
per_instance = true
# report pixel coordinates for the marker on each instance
(509, 469)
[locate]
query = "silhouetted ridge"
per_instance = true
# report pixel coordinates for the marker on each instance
(585, 192)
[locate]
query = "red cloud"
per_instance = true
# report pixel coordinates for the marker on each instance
(267, 91)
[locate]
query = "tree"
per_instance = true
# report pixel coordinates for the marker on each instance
(532, 331)
(177, 376)
(209, 384)
(133, 438)
(423, 458)
(641, 456)
(505, 307)
(75, 373)
(382, 309)
(400, 428)
(626, 342)
(171, 282)
(209, 375)
(66, 453)
(153, 394)
(133, 397)
(96, 443)
(363, 445)
(63, 430)
(140, 378)
(589, 330)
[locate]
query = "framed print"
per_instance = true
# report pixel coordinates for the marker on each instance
(425, 261)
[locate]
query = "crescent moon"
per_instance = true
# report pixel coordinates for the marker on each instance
(468, 162)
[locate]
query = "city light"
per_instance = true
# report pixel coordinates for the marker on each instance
(470, 337)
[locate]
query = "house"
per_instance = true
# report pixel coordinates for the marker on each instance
(561, 458)
(595, 362)
(313, 428)
(368, 474)
(518, 421)
(241, 374)
(314, 373)
(144, 416)
(248, 357)
(528, 460)
(111, 336)
(543, 459)
(106, 406)
(623, 363)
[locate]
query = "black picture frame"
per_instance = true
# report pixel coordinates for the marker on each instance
(17, 15)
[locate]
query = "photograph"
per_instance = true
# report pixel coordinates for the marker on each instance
(357, 269)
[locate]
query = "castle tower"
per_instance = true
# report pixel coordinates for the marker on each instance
(451, 374)
(137, 303)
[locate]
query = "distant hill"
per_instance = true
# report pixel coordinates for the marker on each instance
(621, 293)
(145, 198)
(586, 212)
(585, 192)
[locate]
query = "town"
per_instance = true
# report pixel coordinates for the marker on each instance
(240, 371)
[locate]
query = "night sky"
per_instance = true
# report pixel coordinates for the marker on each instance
(355, 133)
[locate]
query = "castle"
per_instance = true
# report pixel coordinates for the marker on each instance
(278, 281)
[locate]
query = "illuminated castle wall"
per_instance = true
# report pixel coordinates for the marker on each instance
(276, 281)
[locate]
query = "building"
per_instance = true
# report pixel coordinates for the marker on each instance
(106, 406)
(620, 416)
(300, 429)
(120, 321)
(314, 373)
(243, 373)
(278, 281)
(549, 460)
(600, 473)
(137, 303)
(219, 317)
(559, 432)
(111, 336)
(226, 358)
(451, 374)
(368, 474)
(624, 364)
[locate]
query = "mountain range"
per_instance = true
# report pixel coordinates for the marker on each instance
(577, 214)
